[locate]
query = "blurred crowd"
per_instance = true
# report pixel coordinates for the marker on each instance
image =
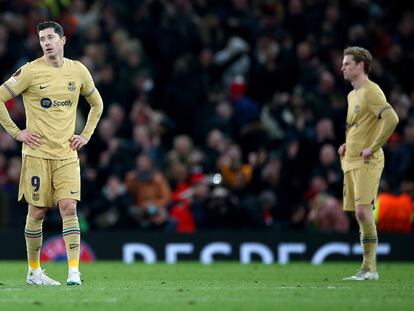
(219, 114)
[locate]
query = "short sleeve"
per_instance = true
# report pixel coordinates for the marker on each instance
(88, 86)
(376, 100)
(19, 81)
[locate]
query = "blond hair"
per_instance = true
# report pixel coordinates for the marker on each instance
(360, 55)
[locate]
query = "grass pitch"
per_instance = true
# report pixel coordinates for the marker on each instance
(221, 286)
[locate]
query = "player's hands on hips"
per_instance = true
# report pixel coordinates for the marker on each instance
(33, 140)
(366, 153)
(341, 150)
(77, 142)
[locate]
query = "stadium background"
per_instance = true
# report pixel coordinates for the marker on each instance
(240, 105)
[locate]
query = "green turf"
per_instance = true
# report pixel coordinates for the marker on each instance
(221, 286)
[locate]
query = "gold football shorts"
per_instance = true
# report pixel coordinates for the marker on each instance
(44, 182)
(360, 187)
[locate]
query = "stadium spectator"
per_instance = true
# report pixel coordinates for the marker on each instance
(150, 193)
(111, 207)
(326, 214)
(236, 174)
(181, 152)
(394, 212)
(181, 197)
(329, 168)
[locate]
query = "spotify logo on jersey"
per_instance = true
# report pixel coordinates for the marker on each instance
(46, 102)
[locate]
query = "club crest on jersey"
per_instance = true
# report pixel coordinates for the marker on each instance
(35, 196)
(71, 86)
(357, 109)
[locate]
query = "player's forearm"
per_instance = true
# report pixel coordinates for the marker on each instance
(389, 121)
(95, 100)
(5, 119)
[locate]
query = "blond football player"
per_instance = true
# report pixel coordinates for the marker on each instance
(50, 176)
(369, 123)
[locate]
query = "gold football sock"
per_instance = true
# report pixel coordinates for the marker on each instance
(369, 241)
(34, 237)
(71, 236)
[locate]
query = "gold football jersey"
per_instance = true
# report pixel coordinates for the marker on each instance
(50, 97)
(365, 106)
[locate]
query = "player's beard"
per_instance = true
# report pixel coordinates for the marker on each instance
(57, 50)
(55, 55)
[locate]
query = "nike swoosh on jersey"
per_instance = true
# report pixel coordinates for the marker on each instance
(43, 86)
(74, 192)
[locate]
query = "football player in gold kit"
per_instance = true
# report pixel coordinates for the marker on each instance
(50, 176)
(369, 123)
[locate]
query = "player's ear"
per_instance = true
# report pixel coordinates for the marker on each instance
(63, 40)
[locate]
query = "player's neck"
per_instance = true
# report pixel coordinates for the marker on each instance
(56, 62)
(358, 82)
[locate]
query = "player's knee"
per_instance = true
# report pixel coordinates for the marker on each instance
(363, 215)
(360, 216)
(67, 207)
(36, 212)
